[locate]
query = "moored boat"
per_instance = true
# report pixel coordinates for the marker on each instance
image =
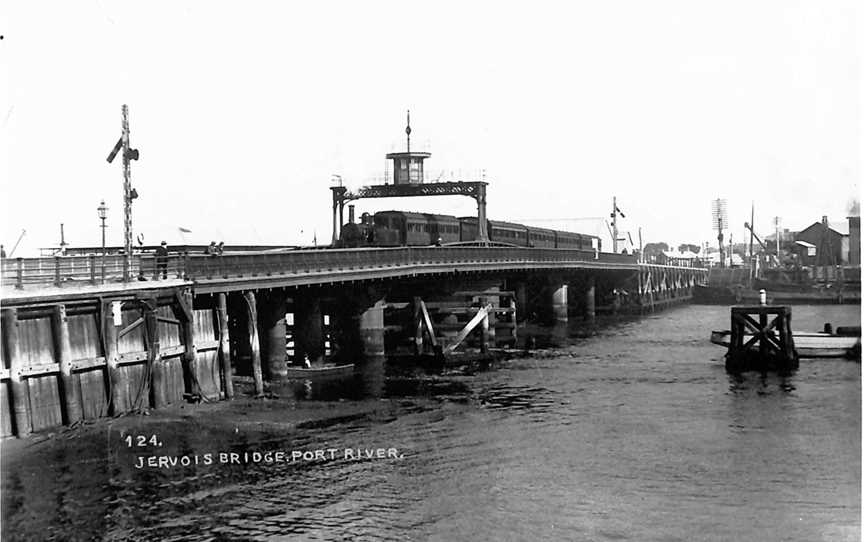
(810, 345)
(728, 295)
(321, 371)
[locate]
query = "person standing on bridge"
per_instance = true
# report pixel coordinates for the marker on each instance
(162, 260)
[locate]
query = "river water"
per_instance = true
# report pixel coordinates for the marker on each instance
(633, 433)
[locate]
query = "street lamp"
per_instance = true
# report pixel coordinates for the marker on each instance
(103, 214)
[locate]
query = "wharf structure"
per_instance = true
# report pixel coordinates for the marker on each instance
(88, 336)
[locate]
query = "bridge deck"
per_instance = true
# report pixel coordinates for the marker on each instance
(82, 275)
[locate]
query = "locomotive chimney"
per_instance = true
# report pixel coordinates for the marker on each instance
(351, 213)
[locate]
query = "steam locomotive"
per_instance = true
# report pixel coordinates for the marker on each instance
(400, 228)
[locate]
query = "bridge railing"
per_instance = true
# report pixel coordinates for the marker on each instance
(63, 271)
(313, 261)
(60, 271)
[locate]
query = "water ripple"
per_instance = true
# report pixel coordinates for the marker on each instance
(634, 433)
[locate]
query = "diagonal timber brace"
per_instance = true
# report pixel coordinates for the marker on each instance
(482, 315)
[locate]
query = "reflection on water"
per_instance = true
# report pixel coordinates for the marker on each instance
(635, 432)
(762, 383)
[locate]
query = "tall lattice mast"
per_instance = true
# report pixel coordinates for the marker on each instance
(127, 188)
(719, 222)
(129, 193)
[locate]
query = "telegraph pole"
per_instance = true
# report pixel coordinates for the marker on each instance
(615, 212)
(63, 243)
(127, 197)
(129, 193)
(752, 259)
(719, 219)
(777, 234)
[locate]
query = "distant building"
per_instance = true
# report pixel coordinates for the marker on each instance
(805, 252)
(684, 259)
(829, 240)
(786, 238)
(854, 240)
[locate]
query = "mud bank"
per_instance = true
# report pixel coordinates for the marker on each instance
(244, 421)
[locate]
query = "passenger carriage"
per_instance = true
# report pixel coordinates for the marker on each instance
(400, 228)
(541, 237)
(508, 232)
(415, 228)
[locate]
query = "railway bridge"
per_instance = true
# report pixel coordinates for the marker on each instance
(92, 336)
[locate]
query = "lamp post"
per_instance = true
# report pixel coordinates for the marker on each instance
(103, 214)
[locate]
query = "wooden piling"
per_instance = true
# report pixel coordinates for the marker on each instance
(117, 377)
(70, 391)
(514, 330)
(158, 371)
(254, 344)
(773, 341)
(421, 320)
(484, 333)
(418, 327)
(224, 346)
(190, 352)
(20, 395)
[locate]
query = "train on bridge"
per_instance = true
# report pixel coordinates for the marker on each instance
(401, 228)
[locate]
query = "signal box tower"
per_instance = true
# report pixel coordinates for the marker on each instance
(408, 166)
(408, 180)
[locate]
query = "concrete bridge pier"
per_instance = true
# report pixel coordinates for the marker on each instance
(521, 300)
(559, 300)
(589, 290)
(371, 326)
(271, 322)
(308, 328)
(371, 331)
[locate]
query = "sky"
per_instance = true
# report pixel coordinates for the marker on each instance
(242, 113)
